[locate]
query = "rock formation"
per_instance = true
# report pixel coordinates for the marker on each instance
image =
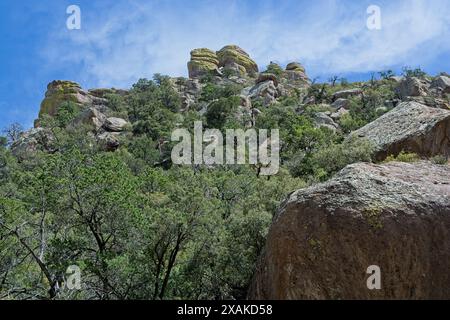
(203, 62)
(234, 58)
(409, 127)
(395, 216)
(31, 141)
(412, 87)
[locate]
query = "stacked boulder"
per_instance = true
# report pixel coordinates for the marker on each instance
(296, 72)
(235, 58)
(231, 57)
(203, 61)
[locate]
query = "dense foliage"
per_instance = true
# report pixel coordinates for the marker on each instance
(139, 227)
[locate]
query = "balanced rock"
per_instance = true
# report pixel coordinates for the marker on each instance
(235, 58)
(296, 72)
(203, 62)
(394, 216)
(409, 127)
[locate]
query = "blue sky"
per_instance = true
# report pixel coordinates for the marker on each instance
(123, 40)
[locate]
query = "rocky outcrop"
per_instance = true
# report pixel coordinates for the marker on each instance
(33, 140)
(203, 62)
(344, 94)
(339, 114)
(265, 91)
(443, 83)
(323, 239)
(409, 127)
(411, 87)
(296, 72)
(234, 58)
(60, 91)
(115, 124)
(263, 77)
(341, 103)
(322, 119)
(91, 117)
(108, 141)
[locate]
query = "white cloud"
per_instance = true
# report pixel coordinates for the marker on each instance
(122, 43)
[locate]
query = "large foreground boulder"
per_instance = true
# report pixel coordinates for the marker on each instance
(395, 216)
(409, 127)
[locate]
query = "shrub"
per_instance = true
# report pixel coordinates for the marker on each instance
(332, 158)
(403, 157)
(439, 159)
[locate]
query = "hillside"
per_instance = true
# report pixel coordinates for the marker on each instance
(93, 184)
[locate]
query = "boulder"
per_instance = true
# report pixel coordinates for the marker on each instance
(338, 114)
(296, 73)
(395, 216)
(341, 103)
(295, 66)
(203, 61)
(322, 119)
(410, 127)
(411, 87)
(233, 57)
(344, 94)
(115, 124)
(33, 140)
(263, 77)
(108, 141)
(91, 117)
(266, 91)
(441, 82)
(60, 91)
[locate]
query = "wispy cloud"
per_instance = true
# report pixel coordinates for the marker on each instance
(132, 39)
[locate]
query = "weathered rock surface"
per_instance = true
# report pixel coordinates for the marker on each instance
(341, 103)
(31, 141)
(109, 141)
(60, 91)
(338, 114)
(442, 82)
(410, 127)
(344, 94)
(322, 119)
(235, 58)
(115, 124)
(266, 91)
(411, 87)
(203, 61)
(91, 117)
(323, 239)
(263, 77)
(295, 74)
